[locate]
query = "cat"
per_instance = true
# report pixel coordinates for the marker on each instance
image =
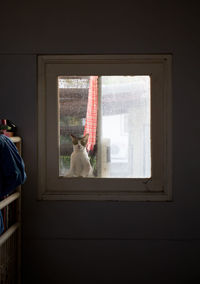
(79, 163)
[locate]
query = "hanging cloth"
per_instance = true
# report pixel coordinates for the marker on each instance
(91, 117)
(12, 169)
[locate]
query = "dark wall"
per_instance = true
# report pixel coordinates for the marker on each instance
(106, 242)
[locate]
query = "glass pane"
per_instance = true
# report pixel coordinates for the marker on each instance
(73, 98)
(125, 139)
(115, 112)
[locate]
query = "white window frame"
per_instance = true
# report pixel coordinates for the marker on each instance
(53, 187)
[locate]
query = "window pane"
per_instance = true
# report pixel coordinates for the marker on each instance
(119, 143)
(125, 126)
(73, 98)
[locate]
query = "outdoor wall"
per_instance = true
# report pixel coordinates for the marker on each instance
(106, 242)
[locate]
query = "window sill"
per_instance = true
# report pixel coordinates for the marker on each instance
(107, 196)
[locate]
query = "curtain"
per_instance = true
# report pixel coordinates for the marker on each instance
(91, 117)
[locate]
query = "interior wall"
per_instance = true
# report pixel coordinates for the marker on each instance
(106, 242)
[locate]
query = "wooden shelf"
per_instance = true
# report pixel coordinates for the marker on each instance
(11, 238)
(9, 200)
(9, 233)
(15, 139)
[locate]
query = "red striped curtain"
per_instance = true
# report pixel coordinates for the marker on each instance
(91, 117)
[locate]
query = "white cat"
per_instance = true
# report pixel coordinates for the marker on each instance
(80, 164)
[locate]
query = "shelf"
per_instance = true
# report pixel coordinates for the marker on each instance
(10, 240)
(9, 200)
(15, 139)
(8, 233)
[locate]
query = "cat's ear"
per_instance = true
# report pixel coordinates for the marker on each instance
(85, 138)
(74, 139)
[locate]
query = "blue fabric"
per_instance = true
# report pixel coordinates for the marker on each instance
(12, 169)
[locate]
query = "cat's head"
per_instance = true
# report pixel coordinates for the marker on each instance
(79, 143)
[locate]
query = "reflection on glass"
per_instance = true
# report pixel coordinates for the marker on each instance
(122, 143)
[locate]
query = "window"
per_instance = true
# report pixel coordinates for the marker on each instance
(115, 112)
(124, 104)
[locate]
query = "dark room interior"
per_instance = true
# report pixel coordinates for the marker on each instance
(95, 242)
